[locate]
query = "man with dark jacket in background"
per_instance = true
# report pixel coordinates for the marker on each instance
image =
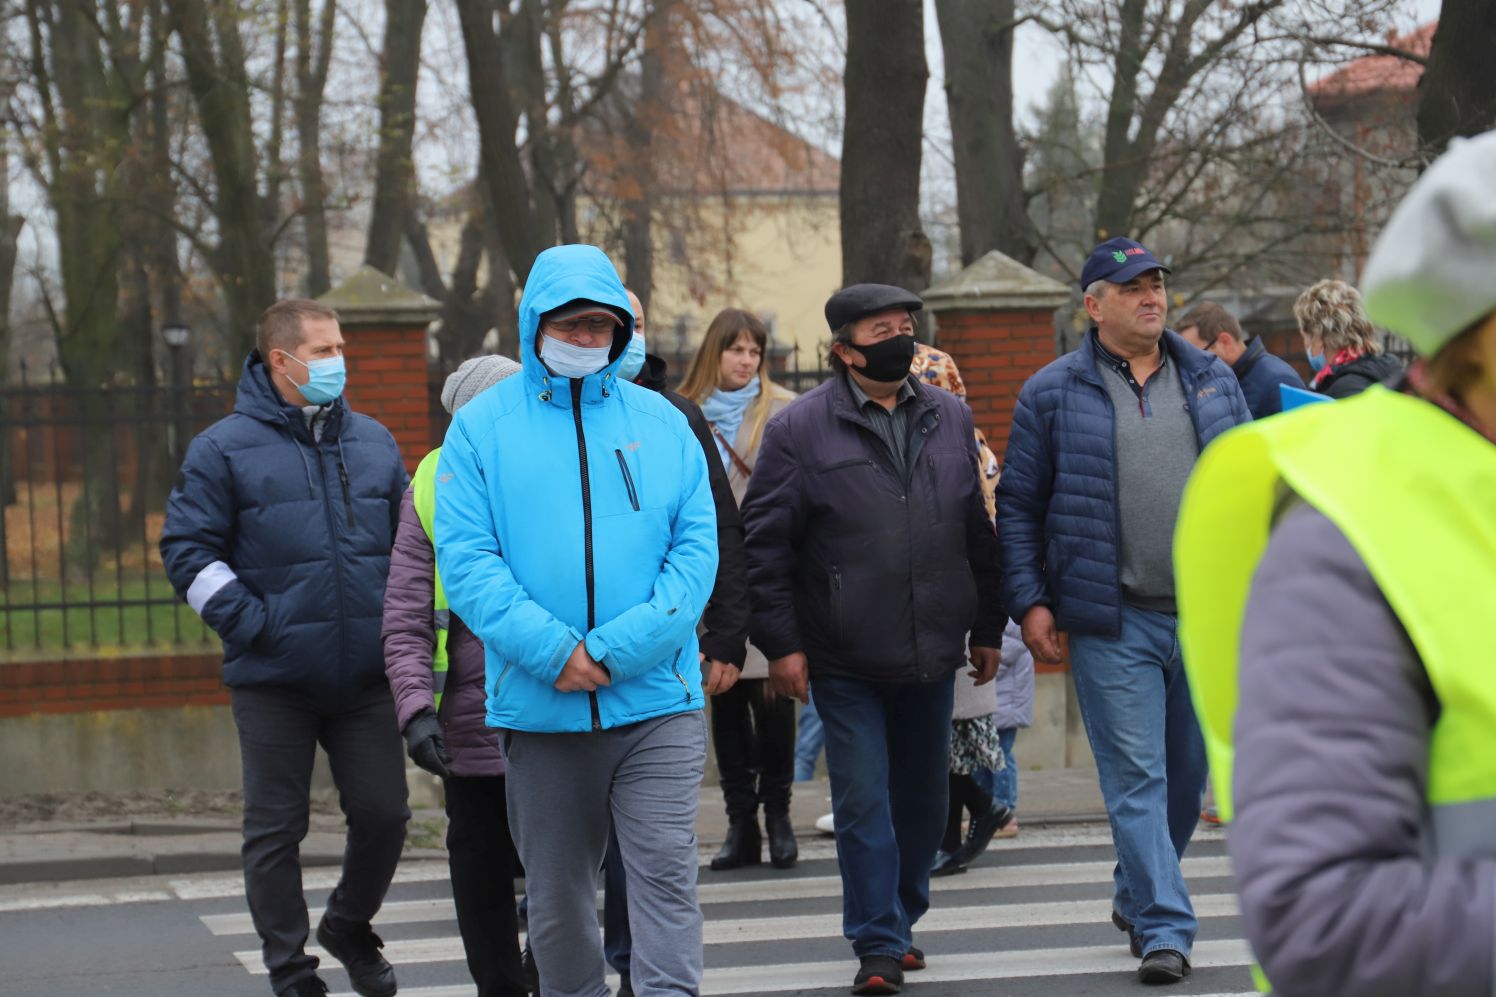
(870, 557)
(278, 535)
(1260, 373)
(1102, 442)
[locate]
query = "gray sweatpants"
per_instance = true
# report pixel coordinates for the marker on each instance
(563, 790)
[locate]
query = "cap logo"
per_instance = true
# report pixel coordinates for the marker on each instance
(1119, 256)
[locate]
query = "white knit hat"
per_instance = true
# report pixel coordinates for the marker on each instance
(475, 376)
(1430, 275)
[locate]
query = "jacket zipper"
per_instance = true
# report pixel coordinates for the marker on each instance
(347, 499)
(337, 560)
(628, 480)
(576, 417)
(675, 667)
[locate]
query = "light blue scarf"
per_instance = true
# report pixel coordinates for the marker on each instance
(724, 409)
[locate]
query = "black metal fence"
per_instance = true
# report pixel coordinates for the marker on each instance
(84, 474)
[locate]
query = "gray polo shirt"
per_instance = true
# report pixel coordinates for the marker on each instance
(892, 426)
(1156, 450)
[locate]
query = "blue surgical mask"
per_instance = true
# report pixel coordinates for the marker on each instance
(633, 359)
(1317, 361)
(567, 360)
(325, 381)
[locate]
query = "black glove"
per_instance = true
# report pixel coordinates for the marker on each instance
(427, 746)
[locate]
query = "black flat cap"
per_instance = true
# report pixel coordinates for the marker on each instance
(857, 300)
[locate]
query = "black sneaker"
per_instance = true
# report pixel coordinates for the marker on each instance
(1123, 924)
(357, 948)
(913, 960)
(1163, 966)
(880, 974)
(307, 986)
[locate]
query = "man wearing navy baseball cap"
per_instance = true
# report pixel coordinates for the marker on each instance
(1102, 442)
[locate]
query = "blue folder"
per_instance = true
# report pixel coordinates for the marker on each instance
(1295, 397)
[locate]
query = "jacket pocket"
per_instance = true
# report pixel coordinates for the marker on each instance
(628, 480)
(838, 630)
(503, 672)
(675, 668)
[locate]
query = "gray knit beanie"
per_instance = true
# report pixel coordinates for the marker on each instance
(475, 376)
(1430, 276)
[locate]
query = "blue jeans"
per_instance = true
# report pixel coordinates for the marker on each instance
(1004, 784)
(886, 752)
(1135, 702)
(808, 742)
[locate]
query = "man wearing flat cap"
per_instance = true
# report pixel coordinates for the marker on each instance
(577, 538)
(870, 558)
(1102, 442)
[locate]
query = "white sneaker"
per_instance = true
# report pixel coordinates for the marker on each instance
(826, 824)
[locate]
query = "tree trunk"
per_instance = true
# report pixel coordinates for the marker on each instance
(244, 259)
(393, 169)
(502, 172)
(639, 129)
(882, 240)
(1457, 94)
(311, 82)
(977, 36)
(10, 232)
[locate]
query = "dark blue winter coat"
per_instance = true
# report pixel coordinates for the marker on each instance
(1260, 373)
(1057, 498)
(282, 543)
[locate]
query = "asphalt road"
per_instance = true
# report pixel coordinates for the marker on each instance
(1030, 918)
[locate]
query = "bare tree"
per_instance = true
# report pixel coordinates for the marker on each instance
(886, 74)
(394, 172)
(312, 60)
(977, 37)
(1457, 94)
(246, 217)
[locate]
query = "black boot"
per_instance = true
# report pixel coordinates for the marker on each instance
(744, 845)
(784, 851)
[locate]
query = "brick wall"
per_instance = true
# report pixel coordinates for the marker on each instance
(387, 381)
(130, 683)
(996, 352)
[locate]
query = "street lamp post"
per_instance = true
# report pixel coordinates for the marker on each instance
(177, 336)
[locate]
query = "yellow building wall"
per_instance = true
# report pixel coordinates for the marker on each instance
(778, 256)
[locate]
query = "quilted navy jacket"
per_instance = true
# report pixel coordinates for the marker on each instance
(1057, 499)
(282, 543)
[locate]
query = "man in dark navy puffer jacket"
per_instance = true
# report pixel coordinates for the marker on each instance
(1101, 444)
(278, 534)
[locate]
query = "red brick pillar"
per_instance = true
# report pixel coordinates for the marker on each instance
(384, 327)
(996, 318)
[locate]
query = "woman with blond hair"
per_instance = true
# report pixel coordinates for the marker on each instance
(753, 732)
(1343, 346)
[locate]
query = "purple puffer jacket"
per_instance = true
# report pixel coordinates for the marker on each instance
(409, 640)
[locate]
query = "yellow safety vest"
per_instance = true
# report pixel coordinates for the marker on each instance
(423, 488)
(1414, 492)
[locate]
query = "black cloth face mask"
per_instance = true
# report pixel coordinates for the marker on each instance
(887, 361)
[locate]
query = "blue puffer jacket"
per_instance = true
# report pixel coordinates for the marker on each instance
(282, 543)
(1057, 498)
(571, 508)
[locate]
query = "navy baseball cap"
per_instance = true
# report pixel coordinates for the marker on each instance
(1118, 261)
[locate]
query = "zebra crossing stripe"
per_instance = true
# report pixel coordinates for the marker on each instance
(759, 929)
(787, 888)
(966, 967)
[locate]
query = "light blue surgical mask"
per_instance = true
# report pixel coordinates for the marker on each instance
(325, 381)
(633, 359)
(1317, 361)
(567, 360)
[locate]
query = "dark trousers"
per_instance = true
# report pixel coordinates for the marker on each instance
(483, 862)
(753, 733)
(888, 755)
(618, 941)
(279, 730)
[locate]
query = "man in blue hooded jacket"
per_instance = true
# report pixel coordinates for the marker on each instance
(278, 534)
(577, 536)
